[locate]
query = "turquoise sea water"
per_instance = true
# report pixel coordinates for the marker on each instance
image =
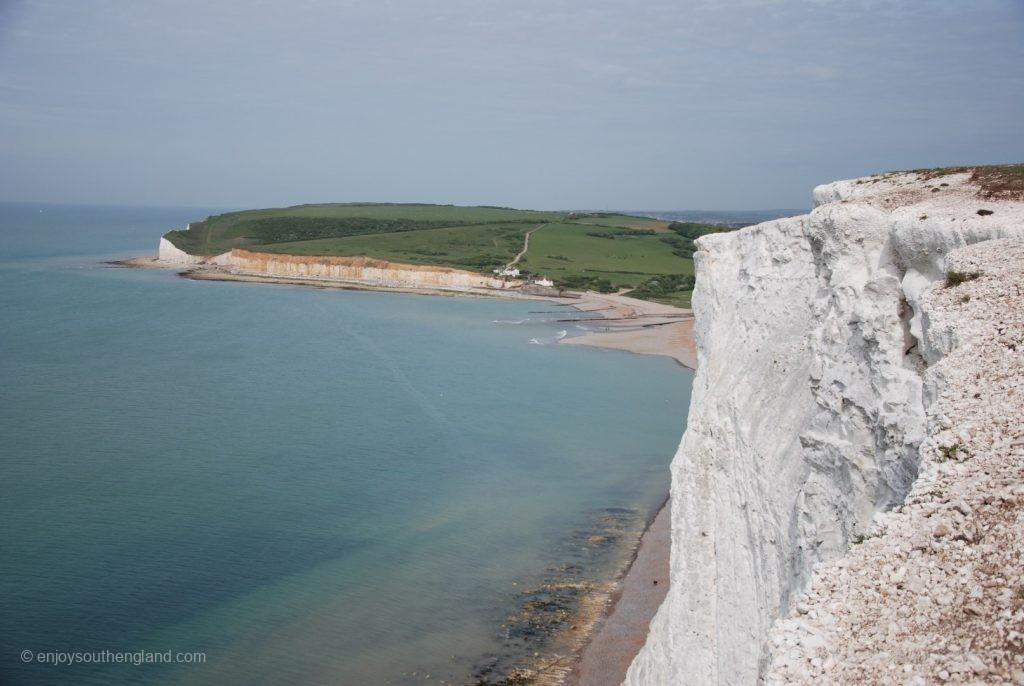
(307, 486)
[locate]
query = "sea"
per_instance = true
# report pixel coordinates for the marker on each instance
(232, 483)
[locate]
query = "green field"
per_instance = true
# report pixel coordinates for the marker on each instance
(598, 251)
(568, 249)
(623, 220)
(475, 247)
(257, 229)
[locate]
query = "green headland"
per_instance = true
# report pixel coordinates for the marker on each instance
(577, 250)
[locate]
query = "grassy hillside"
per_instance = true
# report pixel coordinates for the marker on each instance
(599, 251)
(622, 257)
(621, 220)
(652, 258)
(258, 229)
(479, 247)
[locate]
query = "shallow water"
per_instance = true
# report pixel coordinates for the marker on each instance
(308, 486)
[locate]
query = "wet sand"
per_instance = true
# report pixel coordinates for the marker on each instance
(639, 326)
(619, 637)
(143, 263)
(221, 275)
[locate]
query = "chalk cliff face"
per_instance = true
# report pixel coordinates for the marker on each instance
(808, 409)
(360, 270)
(172, 254)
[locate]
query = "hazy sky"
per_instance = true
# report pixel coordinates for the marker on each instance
(640, 104)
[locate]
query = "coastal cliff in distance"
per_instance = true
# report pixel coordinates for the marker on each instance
(823, 399)
(365, 271)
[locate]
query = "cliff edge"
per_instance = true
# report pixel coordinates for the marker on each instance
(829, 346)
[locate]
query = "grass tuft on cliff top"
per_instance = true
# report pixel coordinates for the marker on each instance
(994, 181)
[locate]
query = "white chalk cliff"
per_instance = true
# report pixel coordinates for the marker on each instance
(172, 254)
(359, 270)
(365, 271)
(809, 405)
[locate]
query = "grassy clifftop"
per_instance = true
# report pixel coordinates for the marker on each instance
(301, 223)
(600, 251)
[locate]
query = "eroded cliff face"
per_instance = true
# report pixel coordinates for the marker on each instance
(171, 254)
(808, 410)
(934, 593)
(361, 269)
(358, 270)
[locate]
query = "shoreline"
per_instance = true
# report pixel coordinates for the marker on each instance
(616, 616)
(605, 633)
(208, 273)
(621, 631)
(638, 326)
